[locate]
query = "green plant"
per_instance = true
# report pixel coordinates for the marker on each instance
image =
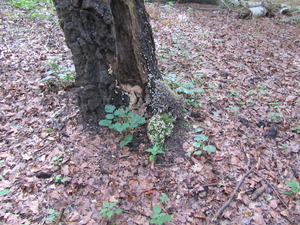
(65, 76)
(233, 109)
(234, 93)
(109, 210)
(25, 4)
(159, 217)
(52, 214)
(274, 116)
(58, 160)
(5, 192)
(59, 179)
(294, 17)
(295, 187)
(164, 197)
(121, 120)
(199, 140)
(297, 129)
(154, 151)
(169, 6)
(263, 88)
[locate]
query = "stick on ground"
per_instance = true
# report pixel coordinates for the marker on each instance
(233, 194)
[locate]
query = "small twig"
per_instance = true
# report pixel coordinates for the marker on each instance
(60, 216)
(276, 193)
(233, 194)
(209, 185)
(247, 156)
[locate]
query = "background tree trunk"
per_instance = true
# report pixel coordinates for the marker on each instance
(113, 52)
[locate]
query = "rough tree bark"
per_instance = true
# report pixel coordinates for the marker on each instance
(113, 51)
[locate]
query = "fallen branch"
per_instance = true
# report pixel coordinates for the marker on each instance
(233, 194)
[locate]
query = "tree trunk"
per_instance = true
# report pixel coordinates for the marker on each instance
(113, 51)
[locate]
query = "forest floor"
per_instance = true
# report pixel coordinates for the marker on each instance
(241, 81)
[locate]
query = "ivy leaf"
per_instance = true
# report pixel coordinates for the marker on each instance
(105, 204)
(198, 152)
(105, 123)
(110, 116)
(200, 137)
(209, 148)
(5, 192)
(197, 144)
(118, 211)
(151, 158)
(156, 209)
(109, 108)
(110, 214)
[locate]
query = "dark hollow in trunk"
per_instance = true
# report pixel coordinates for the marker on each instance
(113, 52)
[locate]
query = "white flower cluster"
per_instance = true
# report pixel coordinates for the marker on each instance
(158, 129)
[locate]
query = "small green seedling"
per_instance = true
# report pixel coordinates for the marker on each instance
(121, 120)
(234, 93)
(154, 151)
(159, 217)
(109, 209)
(297, 129)
(164, 197)
(295, 187)
(60, 179)
(52, 214)
(233, 109)
(199, 140)
(57, 160)
(5, 192)
(263, 88)
(274, 116)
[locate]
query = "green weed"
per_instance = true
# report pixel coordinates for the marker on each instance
(233, 109)
(57, 160)
(263, 88)
(295, 187)
(60, 179)
(297, 129)
(234, 93)
(199, 143)
(164, 197)
(121, 120)
(109, 209)
(65, 76)
(5, 192)
(154, 151)
(160, 217)
(52, 215)
(274, 116)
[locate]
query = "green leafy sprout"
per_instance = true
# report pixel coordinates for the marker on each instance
(274, 116)
(121, 120)
(58, 160)
(295, 187)
(199, 143)
(52, 214)
(109, 209)
(60, 179)
(33, 6)
(154, 151)
(64, 75)
(159, 217)
(297, 129)
(5, 192)
(164, 197)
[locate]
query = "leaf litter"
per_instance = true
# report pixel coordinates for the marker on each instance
(249, 71)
